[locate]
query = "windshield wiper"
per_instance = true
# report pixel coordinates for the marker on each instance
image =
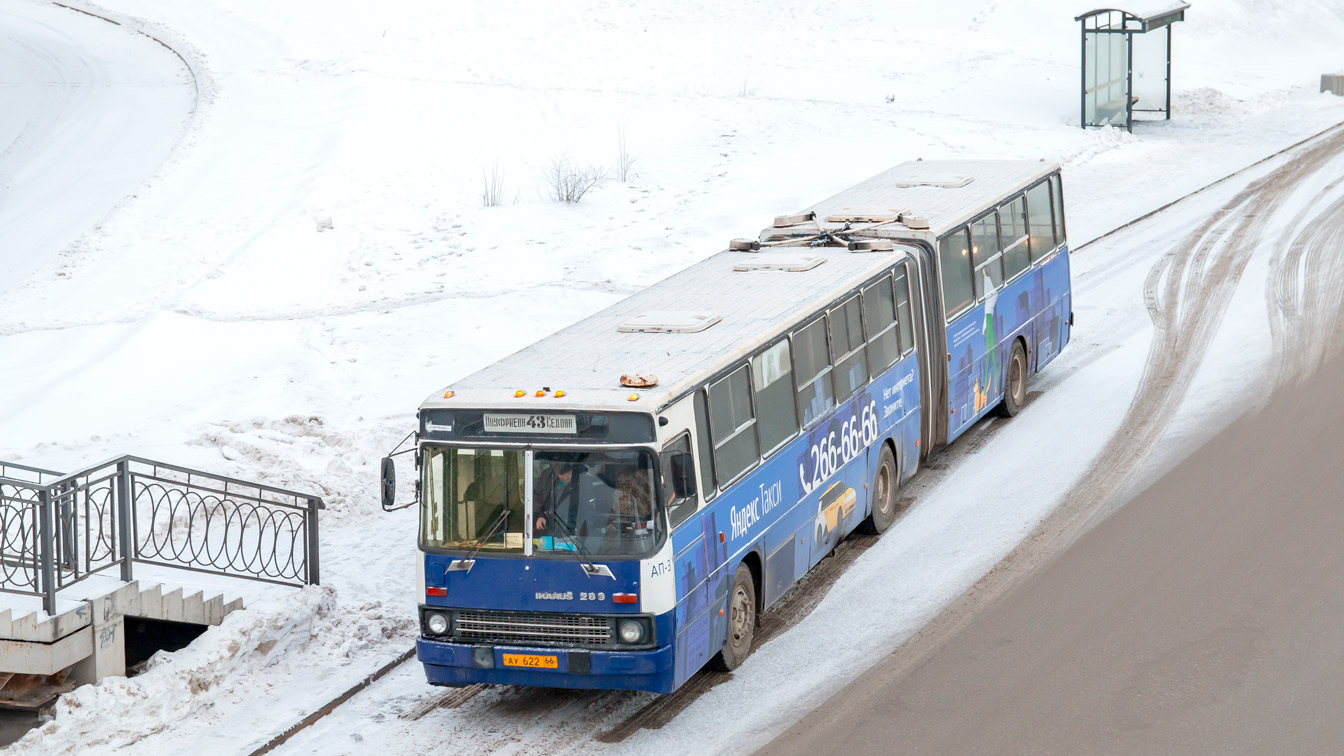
(470, 560)
(586, 561)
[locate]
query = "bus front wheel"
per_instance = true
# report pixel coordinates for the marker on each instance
(884, 494)
(1015, 393)
(741, 621)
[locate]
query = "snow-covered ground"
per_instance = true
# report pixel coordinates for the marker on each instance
(208, 321)
(88, 112)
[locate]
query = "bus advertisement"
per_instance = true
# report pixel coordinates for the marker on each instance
(616, 505)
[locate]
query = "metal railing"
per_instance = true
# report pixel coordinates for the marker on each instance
(56, 530)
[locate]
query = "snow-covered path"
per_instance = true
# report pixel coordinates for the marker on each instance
(88, 112)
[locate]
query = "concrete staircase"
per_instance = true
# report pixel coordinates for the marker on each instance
(86, 642)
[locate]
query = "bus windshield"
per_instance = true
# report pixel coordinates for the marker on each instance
(598, 503)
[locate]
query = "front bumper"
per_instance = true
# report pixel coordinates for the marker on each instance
(463, 664)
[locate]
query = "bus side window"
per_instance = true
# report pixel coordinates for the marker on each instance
(772, 380)
(955, 269)
(732, 426)
(1043, 240)
(678, 507)
(850, 356)
(704, 449)
(812, 365)
(1057, 191)
(904, 315)
(879, 320)
(986, 254)
(1013, 223)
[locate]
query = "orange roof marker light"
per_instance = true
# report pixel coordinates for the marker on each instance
(541, 392)
(559, 393)
(448, 394)
(633, 398)
(519, 393)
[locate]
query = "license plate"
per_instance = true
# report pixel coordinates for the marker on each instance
(529, 660)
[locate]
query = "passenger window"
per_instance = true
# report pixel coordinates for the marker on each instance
(678, 508)
(732, 426)
(772, 380)
(1057, 194)
(1039, 221)
(851, 360)
(1013, 224)
(906, 324)
(812, 364)
(879, 320)
(986, 254)
(704, 448)
(955, 267)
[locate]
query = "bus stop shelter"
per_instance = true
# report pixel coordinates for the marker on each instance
(1127, 63)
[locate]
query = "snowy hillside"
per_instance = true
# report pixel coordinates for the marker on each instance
(213, 321)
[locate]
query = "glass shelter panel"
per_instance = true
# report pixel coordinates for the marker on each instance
(1105, 77)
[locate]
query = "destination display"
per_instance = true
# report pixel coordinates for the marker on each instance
(496, 426)
(548, 424)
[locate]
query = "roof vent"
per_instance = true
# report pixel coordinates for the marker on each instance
(912, 175)
(669, 321)
(793, 220)
(787, 263)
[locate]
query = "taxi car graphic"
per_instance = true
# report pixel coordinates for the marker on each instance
(834, 506)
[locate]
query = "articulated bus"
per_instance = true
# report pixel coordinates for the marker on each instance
(616, 505)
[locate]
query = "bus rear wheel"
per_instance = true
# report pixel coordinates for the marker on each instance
(1015, 393)
(884, 494)
(741, 622)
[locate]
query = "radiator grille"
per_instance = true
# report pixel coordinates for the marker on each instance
(532, 629)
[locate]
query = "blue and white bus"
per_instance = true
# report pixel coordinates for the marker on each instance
(616, 505)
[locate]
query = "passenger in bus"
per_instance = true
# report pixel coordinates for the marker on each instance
(634, 504)
(553, 489)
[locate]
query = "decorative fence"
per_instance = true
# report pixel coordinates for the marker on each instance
(56, 530)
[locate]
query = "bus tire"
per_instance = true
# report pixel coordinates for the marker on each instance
(884, 494)
(741, 622)
(1015, 392)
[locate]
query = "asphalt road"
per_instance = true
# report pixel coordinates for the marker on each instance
(1206, 616)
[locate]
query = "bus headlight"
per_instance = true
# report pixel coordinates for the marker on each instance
(436, 623)
(631, 631)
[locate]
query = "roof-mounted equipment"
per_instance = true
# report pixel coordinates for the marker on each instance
(783, 221)
(780, 262)
(871, 245)
(669, 321)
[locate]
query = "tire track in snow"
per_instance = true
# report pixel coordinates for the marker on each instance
(1186, 293)
(1305, 292)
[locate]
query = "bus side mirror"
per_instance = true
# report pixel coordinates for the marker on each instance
(683, 476)
(389, 483)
